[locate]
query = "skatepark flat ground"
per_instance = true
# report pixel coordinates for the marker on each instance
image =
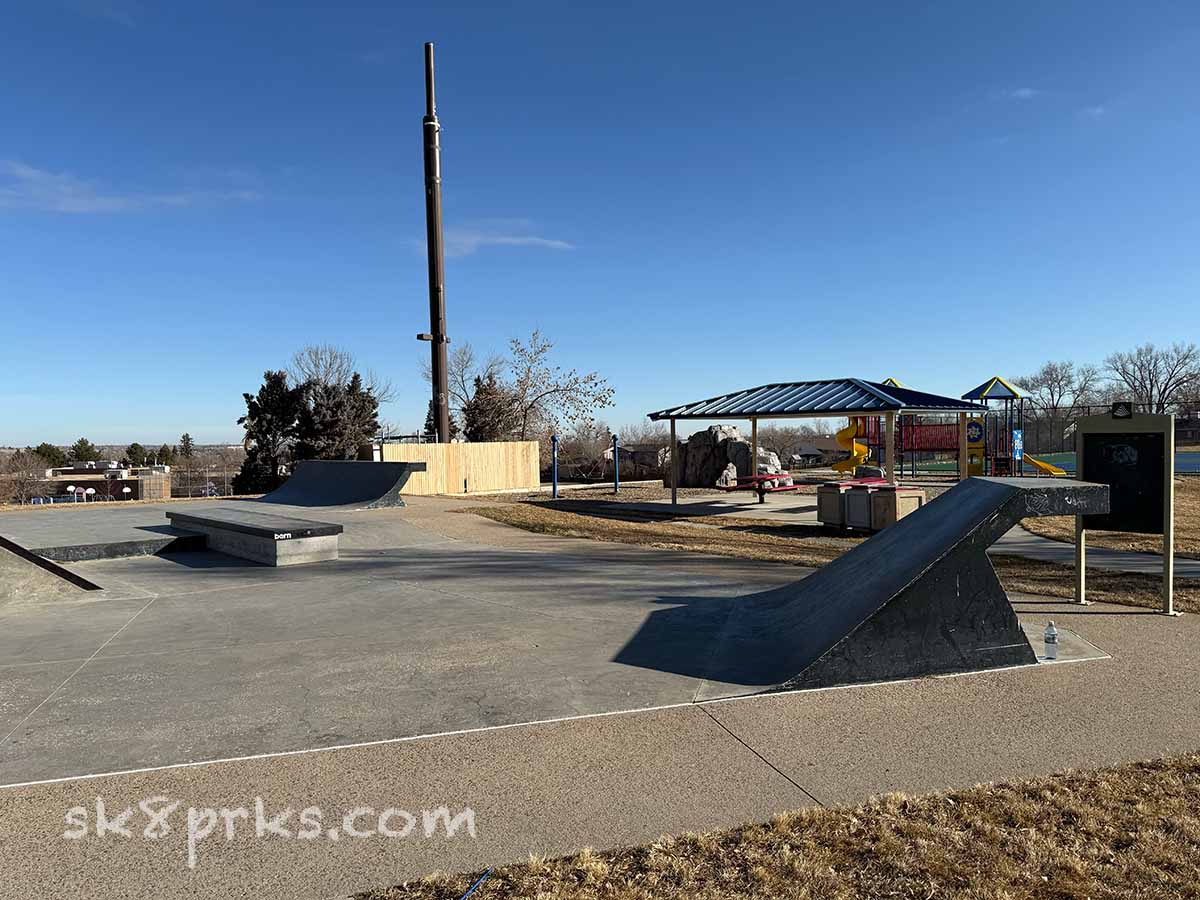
(412, 631)
(463, 638)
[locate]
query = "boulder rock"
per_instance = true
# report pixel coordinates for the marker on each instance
(717, 455)
(728, 477)
(707, 455)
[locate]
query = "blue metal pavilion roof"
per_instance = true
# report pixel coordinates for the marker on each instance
(832, 397)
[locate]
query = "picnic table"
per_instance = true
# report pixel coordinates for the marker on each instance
(758, 483)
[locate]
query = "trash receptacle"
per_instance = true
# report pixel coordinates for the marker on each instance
(831, 504)
(858, 506)
(890, 504)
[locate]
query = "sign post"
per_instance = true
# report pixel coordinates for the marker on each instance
(1134, 454)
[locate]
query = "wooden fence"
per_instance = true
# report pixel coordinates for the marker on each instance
(468, 468)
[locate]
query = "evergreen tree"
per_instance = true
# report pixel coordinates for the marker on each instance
(51, 454)
(363, 423)
(431, 422)
(165, 455)
(83, 450)
(186, 447)
(320, 429)
(135, 453)
(336, 419)
(270, 424)
(489, 415)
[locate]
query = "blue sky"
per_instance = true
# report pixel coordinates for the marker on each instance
(689, 198)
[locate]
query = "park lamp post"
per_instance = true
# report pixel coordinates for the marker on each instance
(127, 490)
(616, 465)
(554, 467)
(87, 495)
(71, 491)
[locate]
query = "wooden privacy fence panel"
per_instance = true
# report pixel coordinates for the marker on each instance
(468, 468)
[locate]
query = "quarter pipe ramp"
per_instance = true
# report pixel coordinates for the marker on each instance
(361, 485)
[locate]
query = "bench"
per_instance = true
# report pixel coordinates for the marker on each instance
(261, 537)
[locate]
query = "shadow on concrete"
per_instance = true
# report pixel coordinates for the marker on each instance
(690, 637)
(208, 559)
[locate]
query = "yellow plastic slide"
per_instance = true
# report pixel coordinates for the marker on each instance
(858, 452)
(1044, 467)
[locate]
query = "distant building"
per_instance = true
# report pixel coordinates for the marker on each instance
(819, 450)
(107, 482)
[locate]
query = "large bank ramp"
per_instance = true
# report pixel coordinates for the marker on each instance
(361, 485)
(919, 598)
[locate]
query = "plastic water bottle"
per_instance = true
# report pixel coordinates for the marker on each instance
(1050, 636)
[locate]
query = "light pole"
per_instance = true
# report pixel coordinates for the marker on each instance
(431, 130)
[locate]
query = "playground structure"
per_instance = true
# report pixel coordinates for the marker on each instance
(847, 438)
(995, 439)
(1044, 468)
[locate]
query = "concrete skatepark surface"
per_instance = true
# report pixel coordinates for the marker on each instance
(410, 632)
(436, 621)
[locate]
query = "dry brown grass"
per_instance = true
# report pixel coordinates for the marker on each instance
(1187, 527)
(809, 545)
(745, 538)
(1121, 832)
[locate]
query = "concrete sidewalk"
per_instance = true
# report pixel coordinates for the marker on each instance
(617, 779)
(1019, 542)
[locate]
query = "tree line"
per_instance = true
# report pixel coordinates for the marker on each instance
(25, 470)
(1157, 379)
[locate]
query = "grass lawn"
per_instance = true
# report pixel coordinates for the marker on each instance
(1187, 527)
(1126, 831)
(806, 545)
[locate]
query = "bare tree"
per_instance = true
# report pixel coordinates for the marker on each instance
(581, 452)
(1061, 385)
(328, 365)
(546, 395)
(1155, 377)
(785, 440)
(23, 476)
(645, 434)
(463, 366)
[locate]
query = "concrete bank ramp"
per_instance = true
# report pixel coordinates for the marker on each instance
(920, 598)
(359, 485)
(27, 577)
